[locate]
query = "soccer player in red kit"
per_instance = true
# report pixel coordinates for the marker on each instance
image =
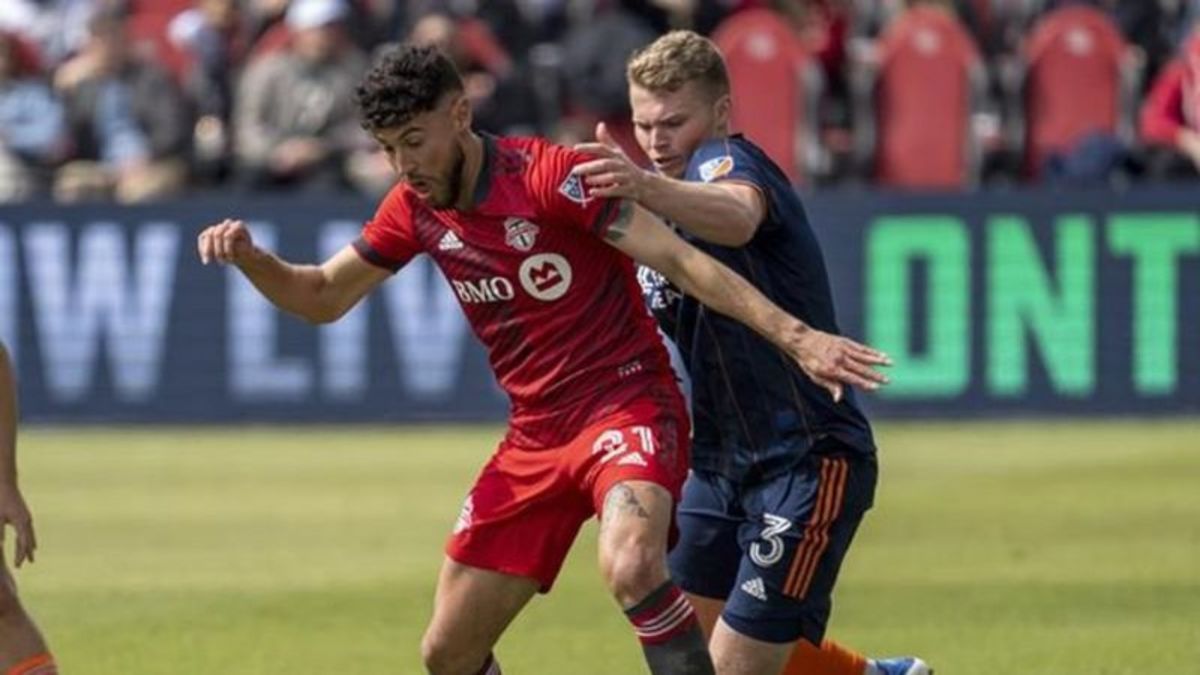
(598, 425)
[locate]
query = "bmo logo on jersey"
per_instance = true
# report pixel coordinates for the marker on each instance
(545, 276)
(482, 291)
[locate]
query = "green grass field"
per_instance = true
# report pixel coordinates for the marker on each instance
(1015, 548)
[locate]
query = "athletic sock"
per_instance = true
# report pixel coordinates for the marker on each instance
(490, 667)
(42, 664)
(830, 658)
(666, 625)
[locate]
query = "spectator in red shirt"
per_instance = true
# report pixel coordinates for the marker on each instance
(1170, 115)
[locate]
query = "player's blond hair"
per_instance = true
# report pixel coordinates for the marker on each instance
(675, 59)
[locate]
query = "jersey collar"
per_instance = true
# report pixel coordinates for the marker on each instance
(483, 184)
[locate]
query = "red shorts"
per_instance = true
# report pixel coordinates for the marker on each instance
(528, 503)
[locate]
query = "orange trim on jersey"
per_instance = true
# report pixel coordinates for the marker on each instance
(828, 505)
(42, 664)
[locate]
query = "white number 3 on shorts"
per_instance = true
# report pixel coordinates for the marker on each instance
(776, 525)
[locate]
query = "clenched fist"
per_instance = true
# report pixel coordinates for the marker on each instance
(226, 242)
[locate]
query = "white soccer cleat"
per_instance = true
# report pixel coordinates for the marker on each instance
(904, 665)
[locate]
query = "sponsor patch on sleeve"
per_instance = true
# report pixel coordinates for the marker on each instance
(715, 168)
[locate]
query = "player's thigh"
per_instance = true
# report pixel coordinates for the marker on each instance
(799, 528)
(472, 608)
(736, 654)
(704, 560)
(646, 441)
(633, 465)
(635, 520)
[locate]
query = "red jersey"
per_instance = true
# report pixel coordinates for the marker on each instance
(558, 310)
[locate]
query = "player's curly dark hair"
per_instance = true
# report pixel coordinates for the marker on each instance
(406, 81)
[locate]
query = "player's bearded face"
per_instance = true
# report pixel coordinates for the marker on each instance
(670, 125)
(427, 152)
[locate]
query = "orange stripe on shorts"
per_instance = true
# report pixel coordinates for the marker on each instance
(830, 493)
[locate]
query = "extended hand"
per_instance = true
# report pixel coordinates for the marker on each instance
(14, 513)
(614, 174)
(228, 241)
(833, 361)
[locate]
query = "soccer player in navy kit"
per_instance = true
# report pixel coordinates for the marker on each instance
(782, 471)
(543, 271)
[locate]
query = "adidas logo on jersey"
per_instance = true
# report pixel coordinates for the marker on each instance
(450, 242)
(755, 588)
(465, 516)
(633, 458)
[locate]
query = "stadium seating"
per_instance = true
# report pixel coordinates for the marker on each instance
(776, 90)
(1077, 77)
(915, 99)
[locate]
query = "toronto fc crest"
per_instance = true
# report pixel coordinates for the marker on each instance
(520, 234)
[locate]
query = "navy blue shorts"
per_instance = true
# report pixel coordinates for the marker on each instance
(773, 549)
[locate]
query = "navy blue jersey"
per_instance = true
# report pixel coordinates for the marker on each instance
(755, 412)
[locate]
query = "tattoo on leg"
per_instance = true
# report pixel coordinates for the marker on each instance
(622, 501)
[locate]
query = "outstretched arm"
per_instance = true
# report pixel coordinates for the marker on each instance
(831, 361)
(317, 293)
(726, 212)
(13, 511)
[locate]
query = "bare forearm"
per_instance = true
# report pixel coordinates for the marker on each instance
(8, 420)
(296, 289)
(829, 360)
(705, 210)
(724, 291)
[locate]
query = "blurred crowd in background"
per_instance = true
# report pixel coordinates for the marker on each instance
(137, 100)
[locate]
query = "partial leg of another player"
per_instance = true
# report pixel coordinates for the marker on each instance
(634, 526)
(832, 658)
(472, 609)
(22, 649)
(806, 658)
(738, 654)
(772, 552)
(795, 534)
